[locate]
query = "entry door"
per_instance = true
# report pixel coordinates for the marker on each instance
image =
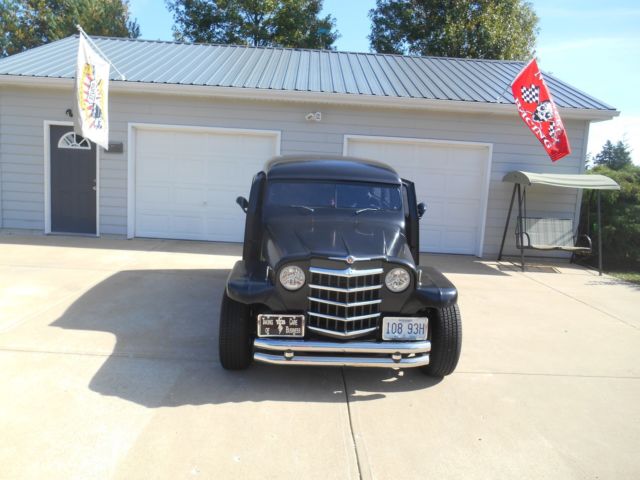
(73, 182)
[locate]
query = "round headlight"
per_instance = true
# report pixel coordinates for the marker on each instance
(292, 277)
(397, 280)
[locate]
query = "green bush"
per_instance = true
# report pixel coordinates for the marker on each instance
(620, 218)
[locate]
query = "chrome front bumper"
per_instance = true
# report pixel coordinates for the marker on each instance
(350, 354)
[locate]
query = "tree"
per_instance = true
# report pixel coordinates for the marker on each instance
(284, 23)
(616, 157)
(494, 29)
(30, 23)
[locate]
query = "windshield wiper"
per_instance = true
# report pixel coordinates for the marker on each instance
(367, 209)
(303, 206)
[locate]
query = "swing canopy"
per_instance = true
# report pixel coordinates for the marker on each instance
(589, 182)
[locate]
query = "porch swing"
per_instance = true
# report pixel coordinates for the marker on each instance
(545, 233)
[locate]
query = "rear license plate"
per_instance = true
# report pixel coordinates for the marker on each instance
(281, 326)
(404, 328)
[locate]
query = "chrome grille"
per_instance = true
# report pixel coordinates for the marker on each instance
(344, 303)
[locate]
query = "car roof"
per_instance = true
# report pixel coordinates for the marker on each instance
(330, 167)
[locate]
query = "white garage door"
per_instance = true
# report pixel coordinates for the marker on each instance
(450, 178)
(186, 182)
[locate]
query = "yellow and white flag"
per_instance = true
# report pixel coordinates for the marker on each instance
(92, 95)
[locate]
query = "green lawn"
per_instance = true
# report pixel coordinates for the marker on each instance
(633, 277)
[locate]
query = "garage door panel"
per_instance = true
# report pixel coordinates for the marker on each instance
(435, 213)
(443, 240)
(460, 240)
(154, 222)
(449, 178)
(461, 213)
(189, 170)
(226, 198)
(431, 239)
(187, 188)
(155, 143)
(187, 224)
(225, 212)
(467, 159)
(464, 186)
(228, 171)
(212, 228)
(150, 194)
(156, 168)
(256, 148)
(189, 197)
(368, 150)
(239, 146)
(406, 152)
(429, 186)
(436, 162)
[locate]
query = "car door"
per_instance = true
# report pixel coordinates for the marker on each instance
(412, 228)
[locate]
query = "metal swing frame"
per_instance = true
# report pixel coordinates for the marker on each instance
(522, 180)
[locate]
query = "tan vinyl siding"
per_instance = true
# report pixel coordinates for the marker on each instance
(23, 111)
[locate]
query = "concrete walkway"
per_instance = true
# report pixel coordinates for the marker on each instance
(109, 369)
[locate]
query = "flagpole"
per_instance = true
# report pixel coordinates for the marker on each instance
(512, 82)
(82, 32)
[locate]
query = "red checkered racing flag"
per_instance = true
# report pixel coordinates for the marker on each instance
(538, 111)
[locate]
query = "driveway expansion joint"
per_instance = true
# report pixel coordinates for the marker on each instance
(353, 436)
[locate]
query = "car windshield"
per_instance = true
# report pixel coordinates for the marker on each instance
(313, 195)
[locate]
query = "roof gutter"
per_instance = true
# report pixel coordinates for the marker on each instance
(307, 97)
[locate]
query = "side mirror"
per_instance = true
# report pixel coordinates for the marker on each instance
(421, 209)
(244, 203)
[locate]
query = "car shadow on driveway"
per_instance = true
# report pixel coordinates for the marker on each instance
(166, 328)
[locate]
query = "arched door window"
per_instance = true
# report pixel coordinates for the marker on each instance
(72, 141)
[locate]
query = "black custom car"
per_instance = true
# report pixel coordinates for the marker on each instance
(330, 273)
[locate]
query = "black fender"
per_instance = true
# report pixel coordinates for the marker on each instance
(434, 290)
(252, 288)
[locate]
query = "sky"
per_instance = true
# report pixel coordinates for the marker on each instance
(593, 45)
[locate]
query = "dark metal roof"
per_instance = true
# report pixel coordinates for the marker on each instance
(320, 71)
(329, 167)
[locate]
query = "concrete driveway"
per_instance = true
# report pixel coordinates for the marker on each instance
(109, 369)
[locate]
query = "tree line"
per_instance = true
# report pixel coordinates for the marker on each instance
(493, 29)
(620, 209)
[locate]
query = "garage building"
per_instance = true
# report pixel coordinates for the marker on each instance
(192, 123)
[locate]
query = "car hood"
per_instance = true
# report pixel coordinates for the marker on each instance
(335, 238)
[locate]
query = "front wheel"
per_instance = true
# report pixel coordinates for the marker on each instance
(446, 341)
(234, 340)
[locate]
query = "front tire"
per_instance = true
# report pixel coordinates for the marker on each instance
(446, 341)
(234, 340)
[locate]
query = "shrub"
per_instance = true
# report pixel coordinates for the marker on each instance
(620, 218)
